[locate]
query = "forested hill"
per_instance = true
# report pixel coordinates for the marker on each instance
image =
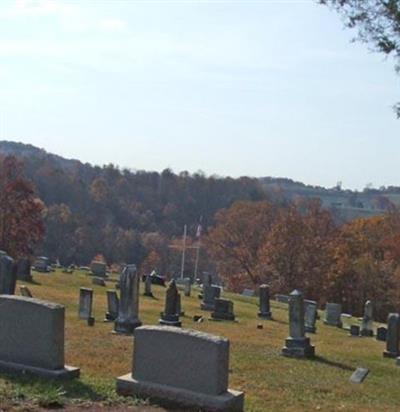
(118, 212)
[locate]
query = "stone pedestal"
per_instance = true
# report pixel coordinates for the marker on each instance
(298, 348)
(265, 309)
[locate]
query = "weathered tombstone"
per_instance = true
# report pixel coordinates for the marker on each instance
(346, 319)
(393, 336)
(128, 314)
(297, 345)
(32, 338)
(381, 333)
(248, 292)
(98, 281)
(332, 315)
(282, 298)
(310, 317)
(98, 268)
(147, 287)
(8, 275)
(359, 375)
(367, 322)
(265, 309)
(85, 303)
(42, 264)
(187, 287)
(24, 269)
(196, 379)
(112, 306)
(170, 316)
(223, 310)
(354, 331)
(25, 291)
(179, 310)
(210, 293)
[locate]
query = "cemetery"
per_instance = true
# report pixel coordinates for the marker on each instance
(274, 367)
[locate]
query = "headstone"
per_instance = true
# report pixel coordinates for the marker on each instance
(8, 275)
(147, 287)
(359, 375)
(98, 281)
(346, 319)
(42, 264)
(248, 292)
(32, 338)
(223, 310)
(297, 345)
(24, 269)
(98, 268)
(187, 287)
(179, 310)
(210, 293)
(25, 291)
(381, 333)
(194, 375)
(112, 306)
(85, 303)
(354, 331)
(128, 314)
(393, 336)
(170, 316)
(282, 298)
(332, 315)
(265, 309)
(310, 317)
(367, 321)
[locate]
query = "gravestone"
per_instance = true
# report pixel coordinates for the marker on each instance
(42, 264)
(265, 309)
(282, 298)
(147, 287)
(112, 306)
(346, 319)
(98, 281)
(393, 336)
(354, 331)
(85, 303)
(223, 310)
(128, 313)
(24, 269)
(210, 293)
(25, 291)
(179, 310)
(194, 375)
(310, 317)
(187, 287)
(32, 338)
(170, 316)
(367, 321)
(297, 345)
(333, 312)
(359, 375)
(381, 333)
(98, 268)
(8, 275)
(248, 292)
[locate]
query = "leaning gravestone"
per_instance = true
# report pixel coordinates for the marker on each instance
(8, 275)
(367, 321)
(393, 336)
(112, 306)
(170, 316)
(210, 293)
(297, 345)
(192, 376)
(147, 287)
(223, 310)
(381, 333)
(85, 303)
(24, 269)
(265, 309)
(333, 312)
(310, 317)
(25, 291)
(128, 314)
(32, 338)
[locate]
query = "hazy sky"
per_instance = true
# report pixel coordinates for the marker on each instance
(260, 88)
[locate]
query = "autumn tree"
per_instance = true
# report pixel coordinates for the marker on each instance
(21, 224)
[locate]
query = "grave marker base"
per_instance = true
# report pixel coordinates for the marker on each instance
(298, 348)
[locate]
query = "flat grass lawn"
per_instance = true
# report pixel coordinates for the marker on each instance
(271, 382)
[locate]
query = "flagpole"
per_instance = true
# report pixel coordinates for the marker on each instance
(183, 250)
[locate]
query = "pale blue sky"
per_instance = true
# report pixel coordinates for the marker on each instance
(259, 88)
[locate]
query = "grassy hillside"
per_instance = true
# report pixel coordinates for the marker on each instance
(270, 381)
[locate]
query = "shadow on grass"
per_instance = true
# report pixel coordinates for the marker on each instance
(30, 282)
(328, 362)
